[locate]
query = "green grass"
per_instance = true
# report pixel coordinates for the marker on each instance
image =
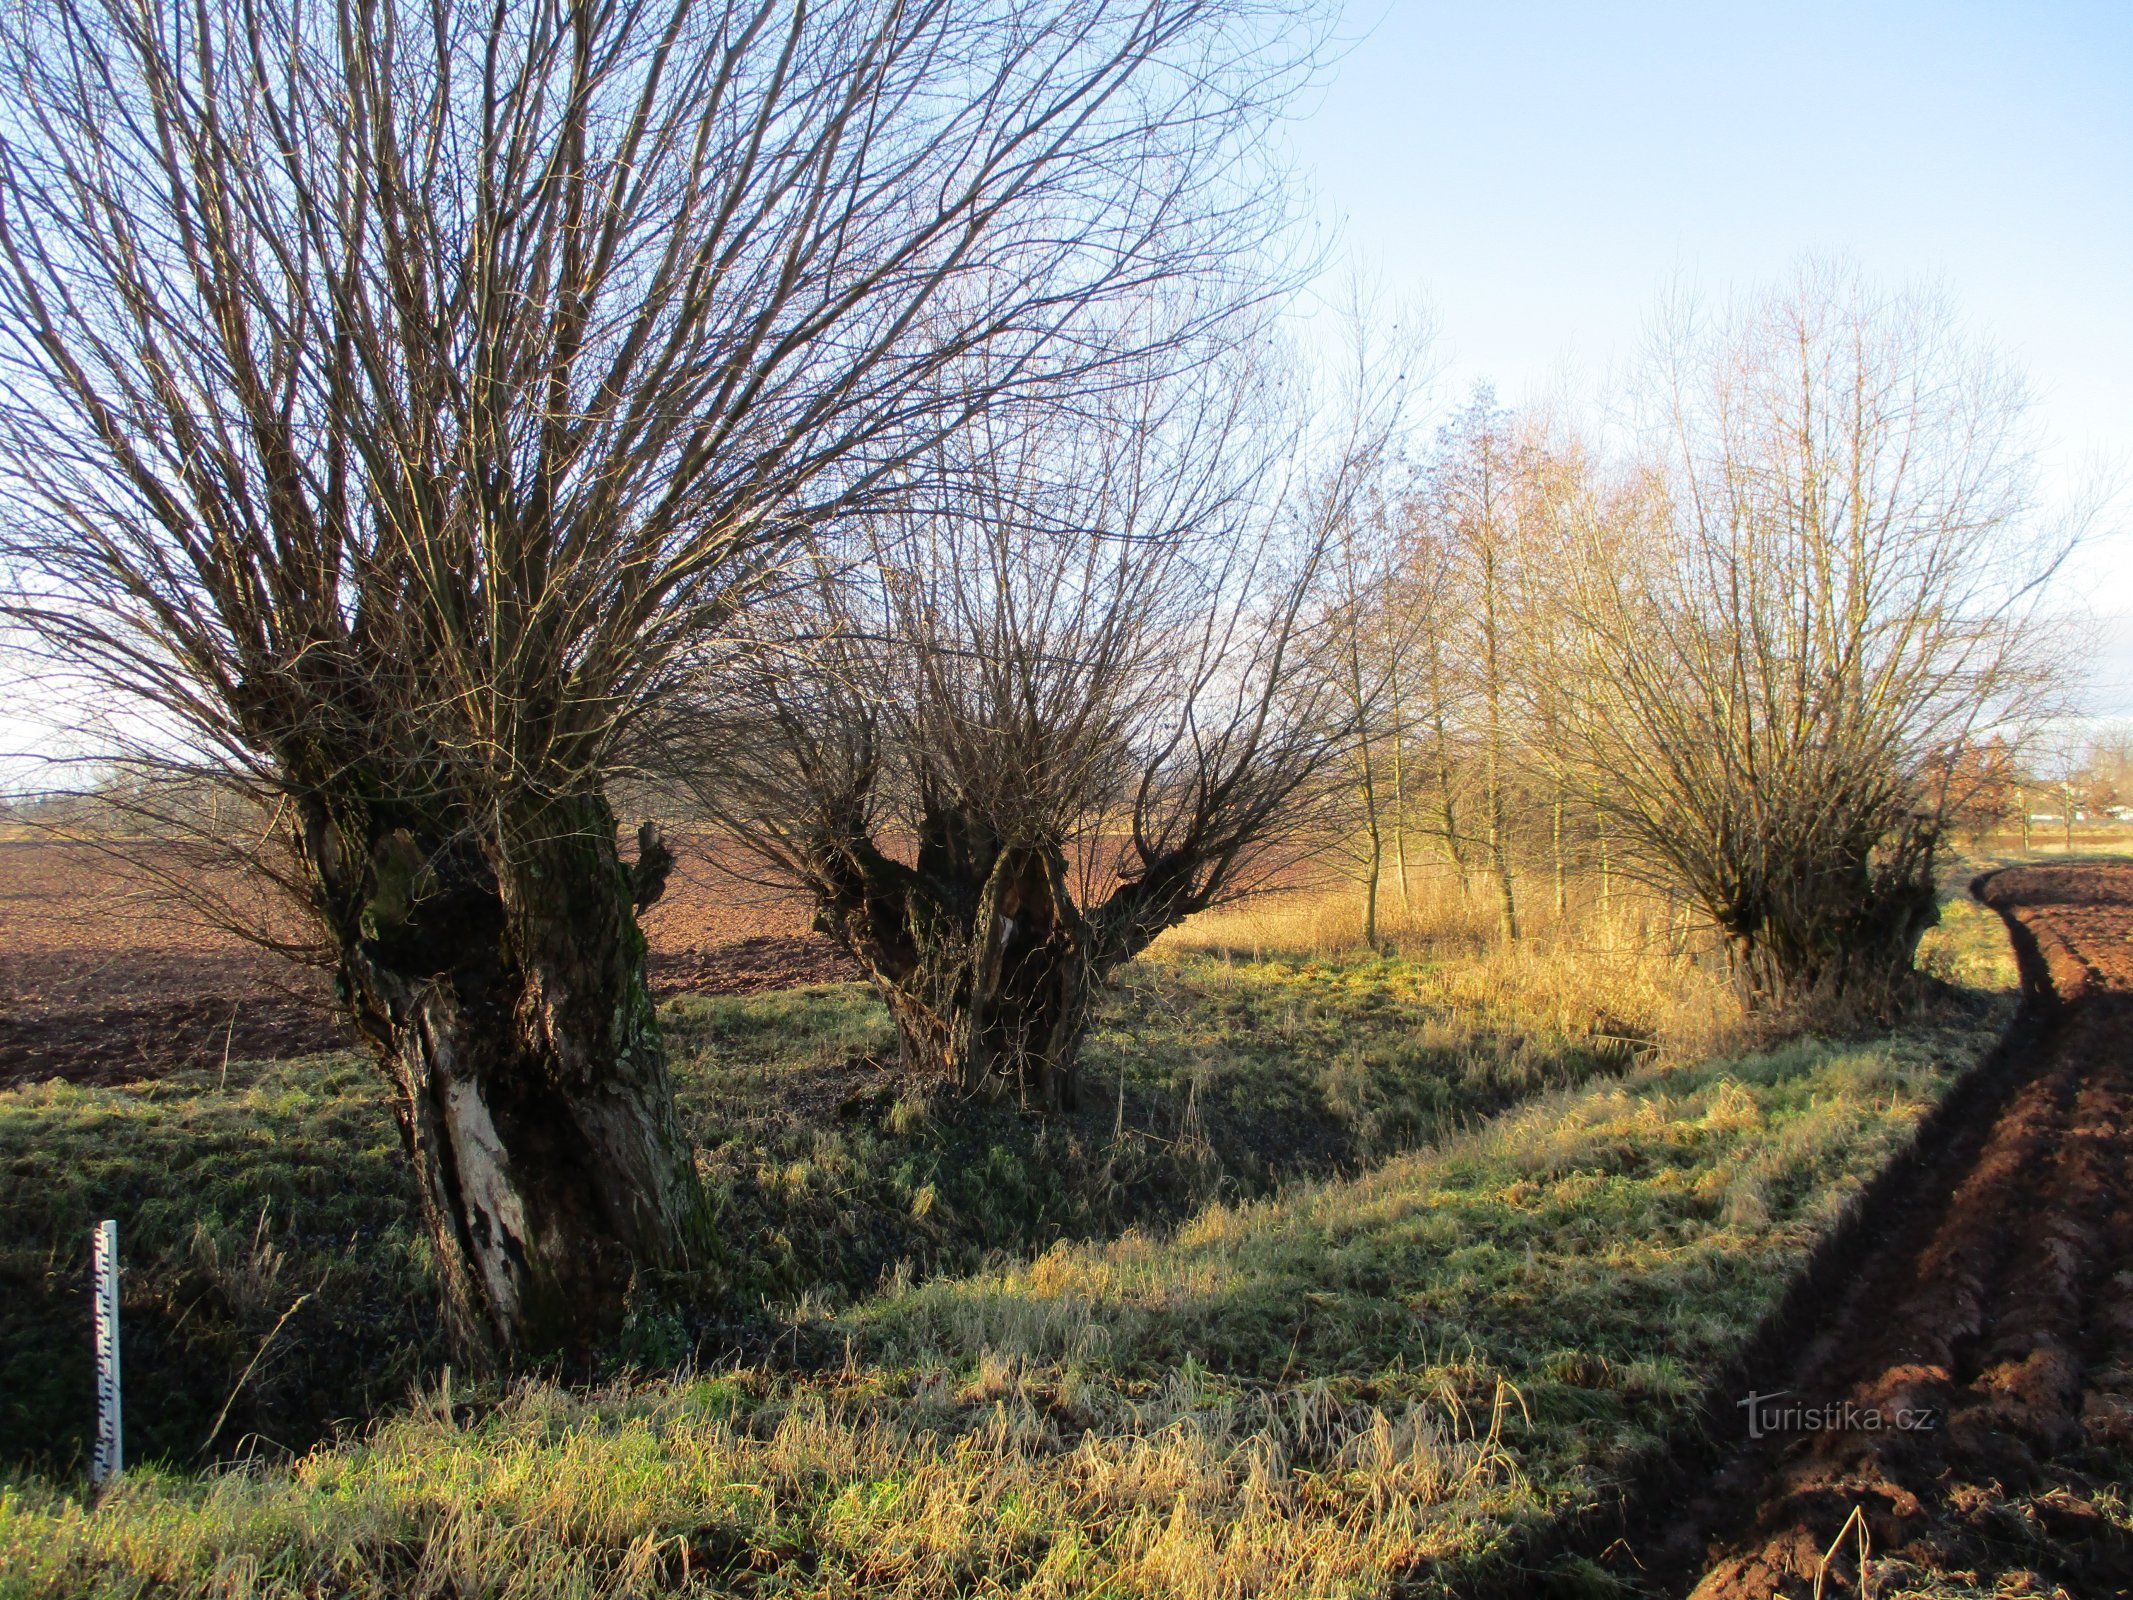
(1204, 1080)
(1397, 1376)
(283, 1186)
(1968, 948)
(234, 1201)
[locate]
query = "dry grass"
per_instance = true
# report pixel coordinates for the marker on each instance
(738, 1485)
(1389, 1382)
(1630, 963)
(1392, 1382)
(238, 1192)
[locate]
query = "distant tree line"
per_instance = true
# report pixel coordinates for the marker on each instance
(1770, 650)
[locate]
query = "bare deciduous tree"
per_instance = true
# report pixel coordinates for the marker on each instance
(1436, 699)
(397, 388)
(1368, 642)
(1784, 636)
(1472, 504)
(1378, 610)
(1020, 731)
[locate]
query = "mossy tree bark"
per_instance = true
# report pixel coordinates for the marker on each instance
(988, 965)
(501, 984)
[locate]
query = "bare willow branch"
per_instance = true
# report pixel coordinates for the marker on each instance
(1016, 731)
(399, 391)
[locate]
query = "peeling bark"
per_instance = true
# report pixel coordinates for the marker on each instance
(510, 1011)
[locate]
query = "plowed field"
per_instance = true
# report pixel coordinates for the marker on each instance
(1962, 1417)
(106, 977)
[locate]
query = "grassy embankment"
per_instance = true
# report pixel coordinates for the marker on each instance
(1314, 1384)
(276, 1191)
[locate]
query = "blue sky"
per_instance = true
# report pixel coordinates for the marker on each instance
(1537, 173)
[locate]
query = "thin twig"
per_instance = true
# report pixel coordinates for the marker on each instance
(1858, 1518)
(228, 1034)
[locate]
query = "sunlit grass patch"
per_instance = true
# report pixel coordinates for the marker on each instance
(1352, 1270)
(747, 1486)
(1204, 1078)
(831, 1172)
(1674, 1194)
(1619, 955)
(1405, 1374)
(1968, 948)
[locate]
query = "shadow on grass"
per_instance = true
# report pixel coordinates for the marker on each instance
(282, 1186)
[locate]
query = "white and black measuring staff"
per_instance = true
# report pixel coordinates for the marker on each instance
(109, 1459)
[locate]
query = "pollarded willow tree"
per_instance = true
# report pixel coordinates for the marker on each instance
(398, 388)
(1016, 731)
(1774, 647)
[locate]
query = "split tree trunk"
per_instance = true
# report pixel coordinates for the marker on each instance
(988, 967)
(502, 986)
(979, 952)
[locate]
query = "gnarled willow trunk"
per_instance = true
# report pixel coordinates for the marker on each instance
(502, 984)
(1840, 925)
(984, 960)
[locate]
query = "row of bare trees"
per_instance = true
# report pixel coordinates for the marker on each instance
(410, 404)
(867, 419)
(2080, 773)
(1750, 653)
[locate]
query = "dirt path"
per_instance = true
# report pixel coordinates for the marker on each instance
(1968, 1398)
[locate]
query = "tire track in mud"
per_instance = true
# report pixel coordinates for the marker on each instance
(1989, 1310)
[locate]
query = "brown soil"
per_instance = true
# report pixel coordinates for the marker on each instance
(1993, 1303)
(107, 977)
(749, 966)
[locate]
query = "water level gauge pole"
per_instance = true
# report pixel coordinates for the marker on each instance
(110, 1455)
